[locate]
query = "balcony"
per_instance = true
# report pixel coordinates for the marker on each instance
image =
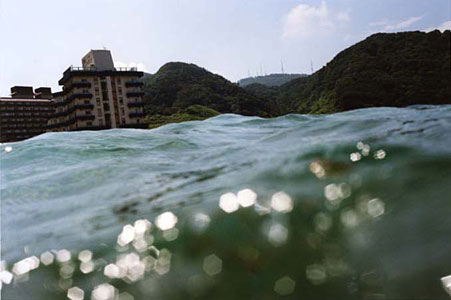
(135, 94)
(77, 84)
(135, 104)
(69, 99)
(79, 96)
(134, 84)
(137, 115)
(72, 109)
(72, 121)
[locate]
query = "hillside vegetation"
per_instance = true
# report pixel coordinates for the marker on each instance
(386, 69)
(270, 80)
(180, 91)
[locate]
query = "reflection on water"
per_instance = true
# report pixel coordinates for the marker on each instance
(341, 218)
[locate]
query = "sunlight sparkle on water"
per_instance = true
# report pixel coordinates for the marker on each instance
(171, 234)
(317, 168)
(364, 148)
(316, 274)
(6, 277)
(356, 156)
(47, 258)
(446, 282)
(229, 203)
(277, 234)
(67, 270)
(8, 149)
(284, 286)
(246, 197)
(200, 222)
(85, 256)
(349, 218)
(166, 220)
(63, 256)
(282, 202)
(335, 193)
(112, 271)
(376, 207)
(212, 265)
(26, 265)
(87, 267)
(380, 154)
(141, 226)
(127, 235)
(75, 293)
(104, 291)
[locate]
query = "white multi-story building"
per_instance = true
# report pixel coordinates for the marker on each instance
(98, 96)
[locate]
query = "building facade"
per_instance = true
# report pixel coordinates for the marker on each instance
(25, 114)
(98, 96)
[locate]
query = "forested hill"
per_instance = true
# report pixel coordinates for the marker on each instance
(270, 80)
(181, 92)
(386, 69)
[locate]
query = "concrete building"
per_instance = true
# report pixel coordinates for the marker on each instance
(25, 114)
(98, 96)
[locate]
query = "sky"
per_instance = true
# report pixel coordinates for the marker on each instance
(40, 39)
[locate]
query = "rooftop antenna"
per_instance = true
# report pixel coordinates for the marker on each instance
(311, 65)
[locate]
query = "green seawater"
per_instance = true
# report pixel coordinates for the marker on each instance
(354, 205)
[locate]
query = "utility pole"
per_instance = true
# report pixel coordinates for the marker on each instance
(281, 65)
(311, 65)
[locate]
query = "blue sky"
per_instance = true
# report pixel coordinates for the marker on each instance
(234, 38)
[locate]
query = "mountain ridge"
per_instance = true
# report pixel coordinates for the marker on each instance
(385, 69)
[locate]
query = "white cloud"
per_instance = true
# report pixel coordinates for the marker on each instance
(404, 24)
(140, 66)
(306, 20)
(442, 27)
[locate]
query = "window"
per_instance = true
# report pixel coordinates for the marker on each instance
(123, 121)
(87, 112)
(89, 123)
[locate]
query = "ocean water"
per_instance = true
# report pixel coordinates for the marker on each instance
(355, 205)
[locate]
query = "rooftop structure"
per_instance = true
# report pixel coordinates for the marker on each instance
(99, 59)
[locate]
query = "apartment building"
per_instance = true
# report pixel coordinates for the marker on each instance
(25, 114)
(98, 96)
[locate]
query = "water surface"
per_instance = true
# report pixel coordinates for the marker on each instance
(364, 211)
